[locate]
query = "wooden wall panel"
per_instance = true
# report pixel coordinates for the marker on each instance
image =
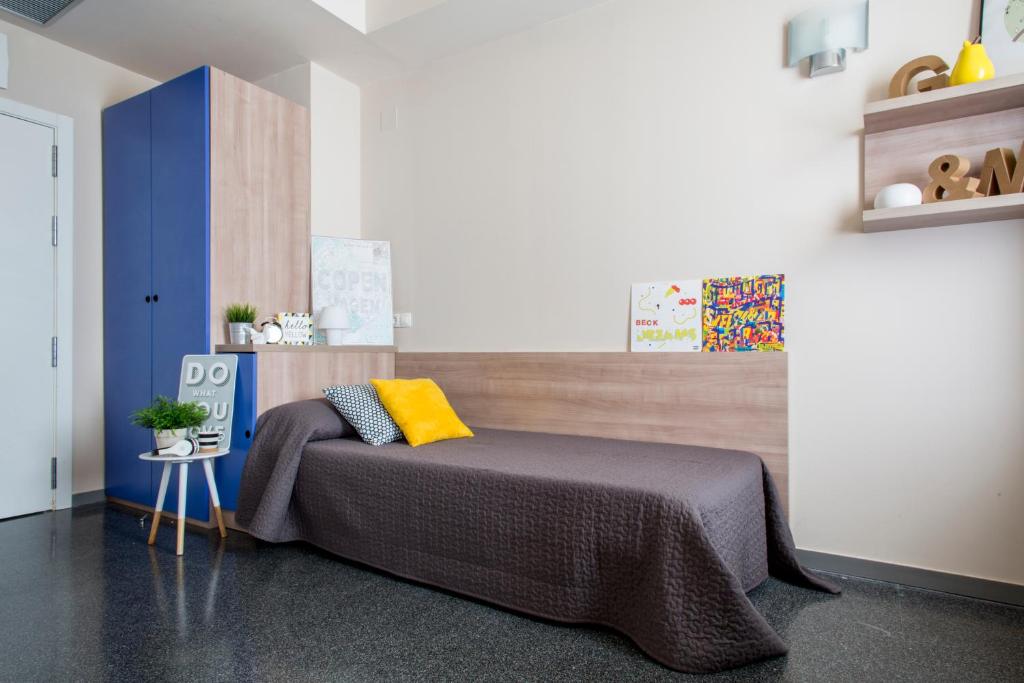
(260, 201)
(286, 377)
(725, 400)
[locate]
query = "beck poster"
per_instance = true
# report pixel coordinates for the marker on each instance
(666, 316)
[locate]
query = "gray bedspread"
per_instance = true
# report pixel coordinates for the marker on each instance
(660, 542)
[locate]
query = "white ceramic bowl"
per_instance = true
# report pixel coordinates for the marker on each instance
(900, 194)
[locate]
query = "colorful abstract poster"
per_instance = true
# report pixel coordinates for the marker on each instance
(666, 316)
(744, 313)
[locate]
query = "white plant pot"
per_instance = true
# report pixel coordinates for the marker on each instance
(240, 332)
(165, 438)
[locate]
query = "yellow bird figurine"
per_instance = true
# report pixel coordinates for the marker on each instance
(973, 65)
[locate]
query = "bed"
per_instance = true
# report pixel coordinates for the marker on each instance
(658, 541)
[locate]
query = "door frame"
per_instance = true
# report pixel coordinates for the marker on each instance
(64, 135)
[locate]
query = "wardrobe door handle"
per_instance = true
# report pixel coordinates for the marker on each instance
(156, 297)
(147, 298)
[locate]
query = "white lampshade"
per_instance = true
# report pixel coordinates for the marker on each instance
(826, 33)
(332, 320)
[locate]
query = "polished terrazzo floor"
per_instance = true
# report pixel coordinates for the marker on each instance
(83, 598)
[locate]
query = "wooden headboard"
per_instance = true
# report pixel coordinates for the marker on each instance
(725, 400)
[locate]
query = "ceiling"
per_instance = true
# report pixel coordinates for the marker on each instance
(456, 25)
(256, 38)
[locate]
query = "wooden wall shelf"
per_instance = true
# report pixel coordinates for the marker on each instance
(945, 104)
(287, 348)
(959, 212)
(903, 135)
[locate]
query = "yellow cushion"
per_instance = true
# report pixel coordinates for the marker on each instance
(420, 408)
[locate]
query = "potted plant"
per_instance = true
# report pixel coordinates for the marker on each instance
(170, 420)
(240, 319)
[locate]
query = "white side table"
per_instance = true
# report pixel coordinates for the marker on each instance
(183, 461)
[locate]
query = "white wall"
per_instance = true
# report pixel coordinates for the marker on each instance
(53, 77)
(335, 139)
(531, 180)
(293, 84)
(335, 127)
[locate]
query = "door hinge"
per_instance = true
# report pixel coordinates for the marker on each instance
(53, 352)
(53, 231)
(53, 473)
(54, 161)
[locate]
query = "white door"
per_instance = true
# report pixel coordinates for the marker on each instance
(27, 290)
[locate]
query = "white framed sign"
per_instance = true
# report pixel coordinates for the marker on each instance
(296, 329)
(356, 275)
(209, 380)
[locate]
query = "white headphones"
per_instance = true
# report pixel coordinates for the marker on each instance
(183, 448)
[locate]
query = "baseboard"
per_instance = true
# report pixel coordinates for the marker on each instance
(88, 498)
(970, 586)
(231, 523)
(167, 517)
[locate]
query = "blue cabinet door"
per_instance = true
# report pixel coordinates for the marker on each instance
(127, 281)
(228, 468)
(181, 242)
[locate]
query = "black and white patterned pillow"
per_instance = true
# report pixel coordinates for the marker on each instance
(360, 406)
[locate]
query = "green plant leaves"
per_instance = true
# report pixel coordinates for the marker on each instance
(166, 413)
(240, 313)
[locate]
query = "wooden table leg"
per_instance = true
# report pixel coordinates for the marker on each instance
(214, 497)
(182, 482)
(164, 479)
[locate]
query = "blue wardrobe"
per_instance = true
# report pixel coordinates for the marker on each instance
(157, 268)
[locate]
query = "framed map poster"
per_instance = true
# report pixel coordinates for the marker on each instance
(356, 275)
(665, 316)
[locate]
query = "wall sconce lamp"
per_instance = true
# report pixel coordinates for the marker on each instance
(824, 35)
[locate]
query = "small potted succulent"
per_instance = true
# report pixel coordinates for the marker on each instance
(170, 420)
(240, 319)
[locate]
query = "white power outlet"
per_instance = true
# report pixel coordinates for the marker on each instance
(389, 119)
(402, 319)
